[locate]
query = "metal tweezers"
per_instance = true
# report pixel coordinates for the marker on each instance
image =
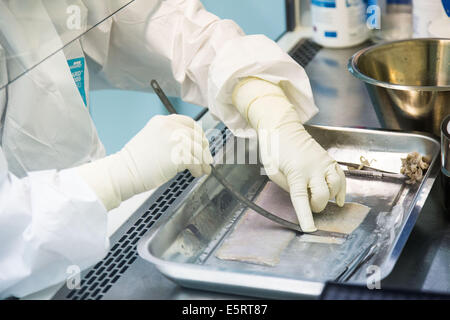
(364, 171)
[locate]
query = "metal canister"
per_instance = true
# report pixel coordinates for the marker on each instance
(445, 153)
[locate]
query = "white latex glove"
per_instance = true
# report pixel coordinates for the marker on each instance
(291, 157)
(165, 146)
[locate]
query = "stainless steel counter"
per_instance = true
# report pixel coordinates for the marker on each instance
(425, 261)
(342, 100)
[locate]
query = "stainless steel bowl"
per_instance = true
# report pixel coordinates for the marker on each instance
(408, 82)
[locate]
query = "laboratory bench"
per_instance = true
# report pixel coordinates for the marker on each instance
(424, 263)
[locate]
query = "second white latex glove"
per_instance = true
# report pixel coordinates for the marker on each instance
(291, 157)
(165, 146)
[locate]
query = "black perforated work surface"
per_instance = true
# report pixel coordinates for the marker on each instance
(305, 51)
(123, 253)
(98, 280)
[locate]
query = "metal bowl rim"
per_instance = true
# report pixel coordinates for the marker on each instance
(354, 70)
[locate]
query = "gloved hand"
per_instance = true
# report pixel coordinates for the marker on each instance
(164, 147)
(291, 157)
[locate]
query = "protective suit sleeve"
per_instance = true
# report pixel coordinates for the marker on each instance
(193, 54)
(51, 224)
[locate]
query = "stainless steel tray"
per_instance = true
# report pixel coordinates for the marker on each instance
(183, 244)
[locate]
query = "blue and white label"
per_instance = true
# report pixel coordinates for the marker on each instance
(338, 23)
(330, 34)
(324, 3)
(77, 69)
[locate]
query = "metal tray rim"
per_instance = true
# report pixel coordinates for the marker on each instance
(180, 272)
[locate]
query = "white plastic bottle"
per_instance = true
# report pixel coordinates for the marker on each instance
(425, 12)
(339, 23)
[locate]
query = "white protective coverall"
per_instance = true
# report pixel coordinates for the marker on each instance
(49, 218)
